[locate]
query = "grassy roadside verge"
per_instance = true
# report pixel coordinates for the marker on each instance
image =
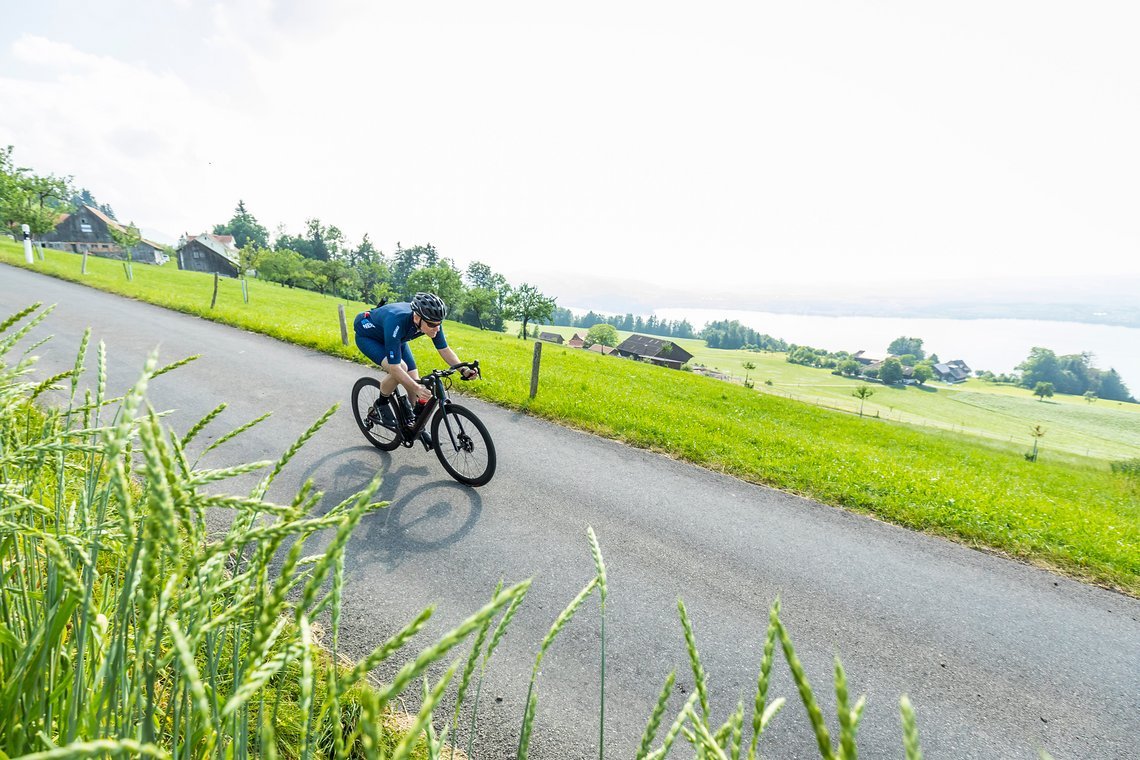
(1074, 515)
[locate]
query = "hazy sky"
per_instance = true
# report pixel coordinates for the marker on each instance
(736, 145)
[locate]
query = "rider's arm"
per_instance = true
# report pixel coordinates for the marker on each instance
(448, 355)
(452, 359)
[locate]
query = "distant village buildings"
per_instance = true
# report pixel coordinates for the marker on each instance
(659, 351)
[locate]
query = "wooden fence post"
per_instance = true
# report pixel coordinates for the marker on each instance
(343, 326)
(83, 270)
(214, 300)
(534, 369)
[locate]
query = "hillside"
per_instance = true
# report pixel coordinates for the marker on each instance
(1004, 413)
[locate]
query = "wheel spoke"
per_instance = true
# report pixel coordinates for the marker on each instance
(464, 446)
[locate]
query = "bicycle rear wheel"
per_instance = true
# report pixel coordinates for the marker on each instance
(364, 396)
(463, 445)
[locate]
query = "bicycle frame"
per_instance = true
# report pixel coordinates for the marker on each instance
(437, 404)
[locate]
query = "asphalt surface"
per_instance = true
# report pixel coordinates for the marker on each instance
(1000, 659)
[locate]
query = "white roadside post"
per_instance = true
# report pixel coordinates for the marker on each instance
(27, 243)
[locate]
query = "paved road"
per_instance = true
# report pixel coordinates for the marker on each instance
(999, 658)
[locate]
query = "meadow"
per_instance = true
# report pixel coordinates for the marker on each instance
(1002, 413)
(1068, 512)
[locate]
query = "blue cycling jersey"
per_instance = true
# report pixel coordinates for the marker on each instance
(382, 334)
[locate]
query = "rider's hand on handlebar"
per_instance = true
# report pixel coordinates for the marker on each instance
(423, 393)
(469, 373)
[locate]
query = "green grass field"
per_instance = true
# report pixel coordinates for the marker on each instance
(1102, 430)
(1069, 512)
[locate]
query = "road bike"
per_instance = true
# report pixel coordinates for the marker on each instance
(459, 438)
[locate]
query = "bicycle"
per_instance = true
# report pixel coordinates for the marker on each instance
(459, 438)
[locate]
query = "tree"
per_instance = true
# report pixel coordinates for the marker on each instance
(441, 279)
(526, 304)
(248, 257)
(923, 372)
(479, 275)
(245, 229)
(337, 278)
(1038, 433)
(891, 372)
(483, 304)
(904, 345)
(364, 253)
(126, 238)
(1111, 387)
(407, 260)
(1043, 391)
(847, 368)
(26, 198)
(282, 266)
(1040, 366)
(862, 392)
(603, 334)
(318, 242)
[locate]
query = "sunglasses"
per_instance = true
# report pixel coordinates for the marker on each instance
(429, 323)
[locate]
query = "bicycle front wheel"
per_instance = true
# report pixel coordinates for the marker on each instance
(364, 396)
(463, 445)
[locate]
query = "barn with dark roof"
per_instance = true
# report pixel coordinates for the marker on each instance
(658, 351)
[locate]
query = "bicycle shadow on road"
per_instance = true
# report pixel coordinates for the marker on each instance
(427, 518)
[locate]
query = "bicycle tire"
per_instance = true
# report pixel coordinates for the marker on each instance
(470, 457)
(364, 395)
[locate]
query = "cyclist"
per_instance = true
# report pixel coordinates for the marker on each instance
(382, 334)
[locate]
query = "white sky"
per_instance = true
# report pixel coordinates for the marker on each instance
(730, 145)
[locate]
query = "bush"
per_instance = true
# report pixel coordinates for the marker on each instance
(1127, 467)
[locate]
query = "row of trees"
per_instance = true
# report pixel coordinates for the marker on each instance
(628, 322)
(1073, 374)
(733, 335)
(322, 259)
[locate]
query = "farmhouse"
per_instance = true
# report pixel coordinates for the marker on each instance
(577, 341)
(550, 337)
(208, 253)
(954, 371)
(598, 348)
(665, 353)
(88, 230)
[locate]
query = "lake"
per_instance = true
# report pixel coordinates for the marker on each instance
(998, 345)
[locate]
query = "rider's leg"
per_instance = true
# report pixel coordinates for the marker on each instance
(410, 360)
(388, 383)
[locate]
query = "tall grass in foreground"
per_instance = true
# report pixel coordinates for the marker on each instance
(127, 630)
